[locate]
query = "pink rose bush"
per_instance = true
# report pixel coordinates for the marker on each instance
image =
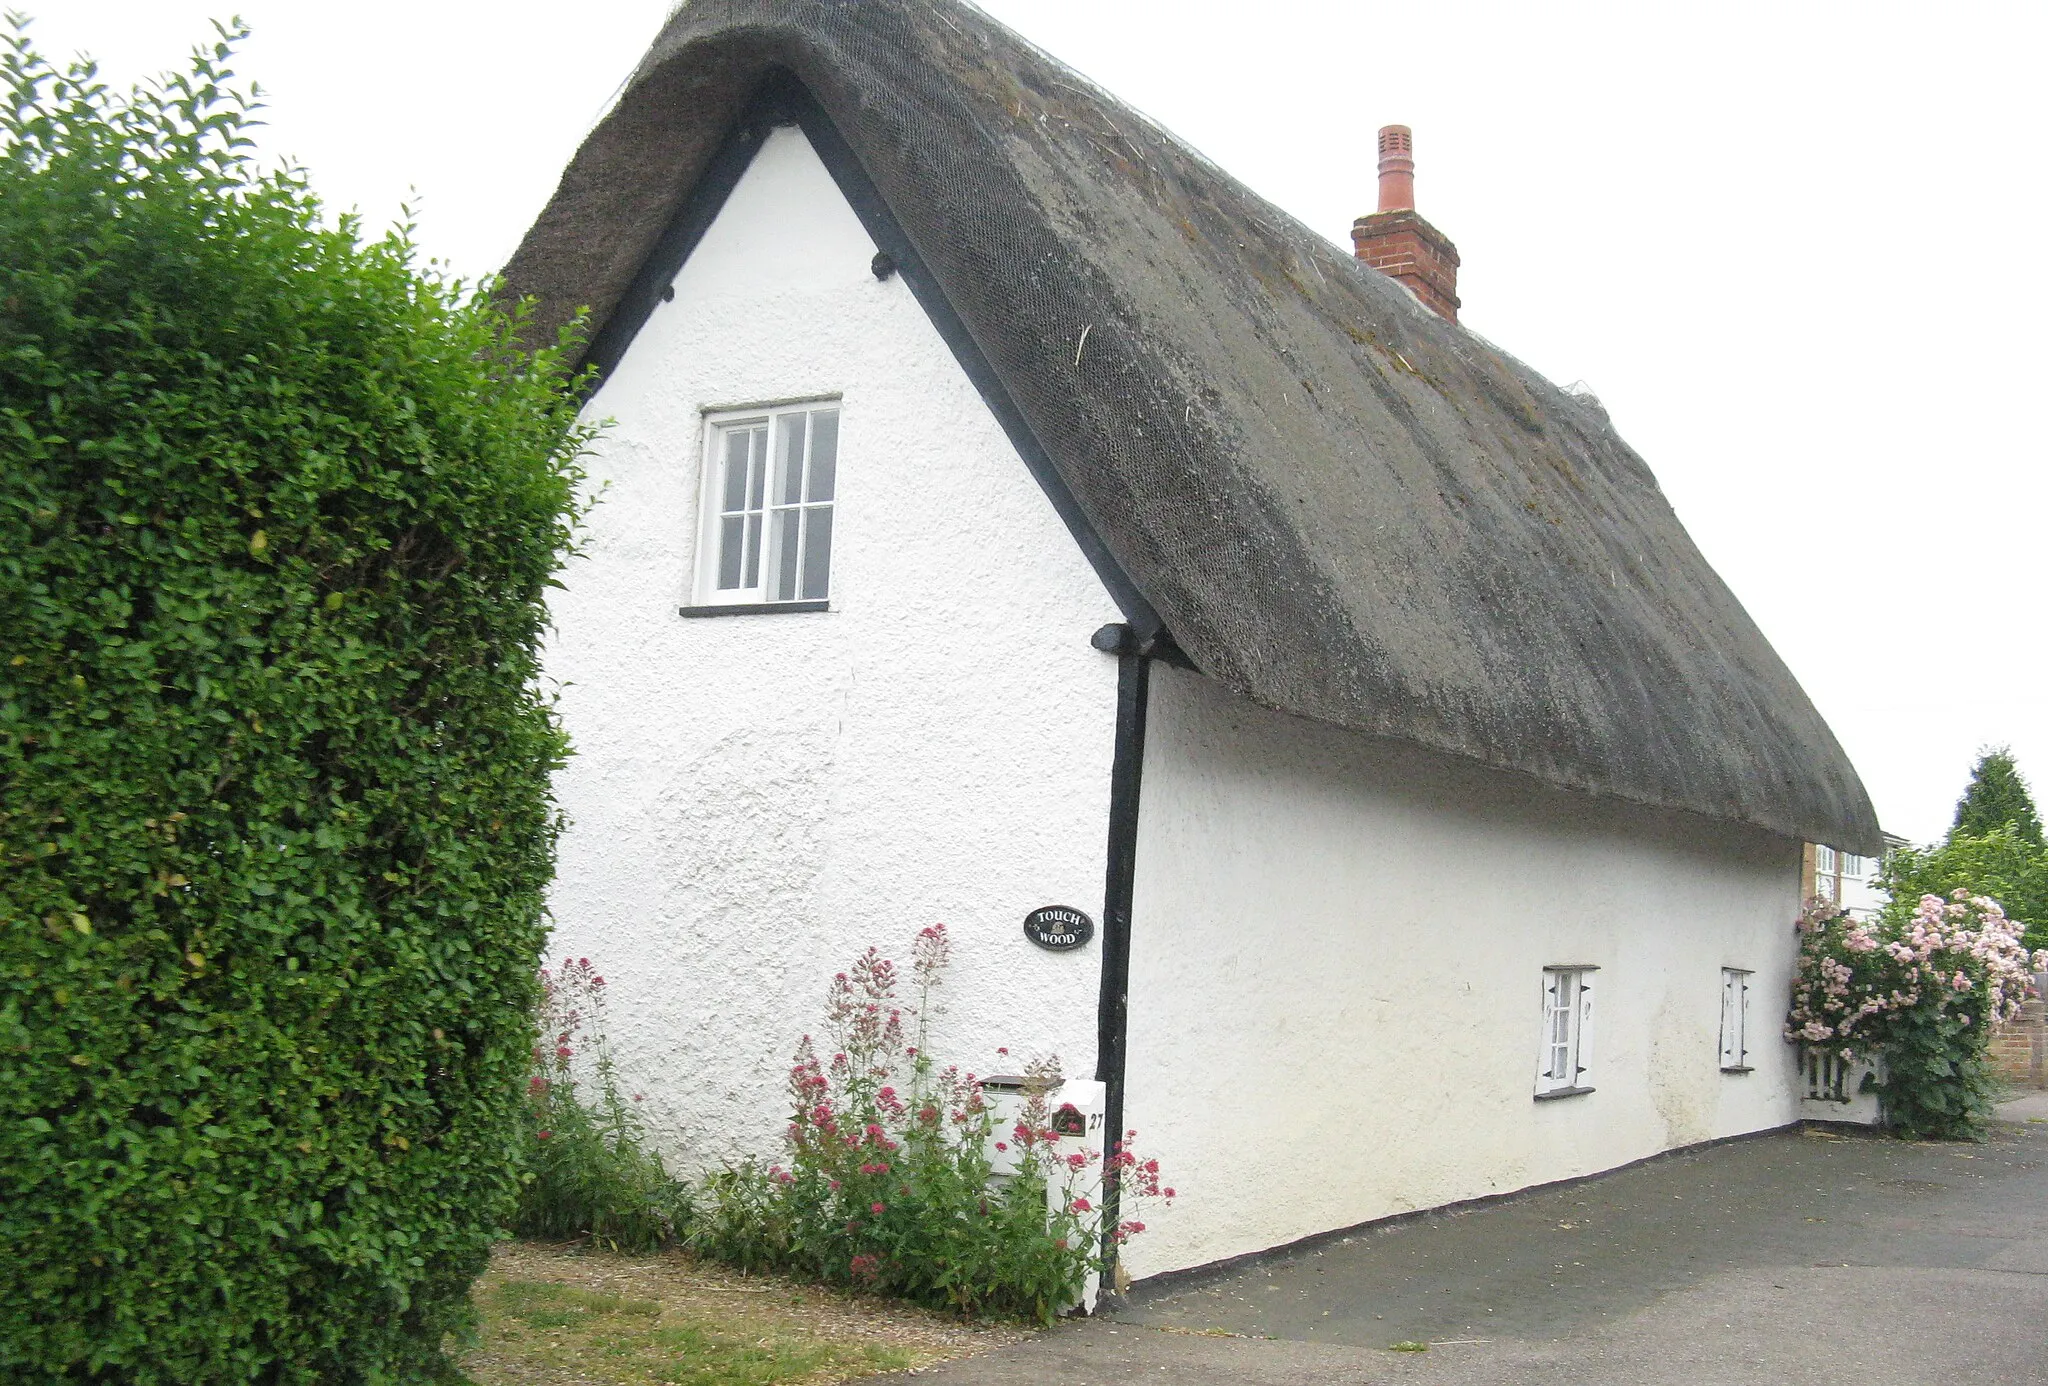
(1915, 993)
(888, 1182)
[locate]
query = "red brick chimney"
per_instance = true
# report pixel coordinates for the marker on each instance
(1394, 240)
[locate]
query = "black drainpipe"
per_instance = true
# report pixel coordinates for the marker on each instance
(1133, 681)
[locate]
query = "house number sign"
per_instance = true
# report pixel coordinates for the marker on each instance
(1059, 928)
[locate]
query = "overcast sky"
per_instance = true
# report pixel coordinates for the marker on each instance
(1796, 248)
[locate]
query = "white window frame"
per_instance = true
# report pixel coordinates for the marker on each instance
(1827, 874)
(760, 522)
(1564, 1060)
(1735, 1019)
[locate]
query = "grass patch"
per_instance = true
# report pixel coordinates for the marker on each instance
(545, 1304)
(536, 1328)
(558, 1316)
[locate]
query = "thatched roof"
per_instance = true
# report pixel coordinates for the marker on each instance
(1335, 501)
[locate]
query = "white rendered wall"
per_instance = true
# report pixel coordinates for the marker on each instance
(1336, 975)
(755, 799)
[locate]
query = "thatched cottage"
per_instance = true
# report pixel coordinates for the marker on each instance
(1006, 509)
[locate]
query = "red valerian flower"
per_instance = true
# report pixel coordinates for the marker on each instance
(1081, 1205)
(876, 1209)
(543, 1135)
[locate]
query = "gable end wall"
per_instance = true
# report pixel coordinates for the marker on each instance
(756, 799)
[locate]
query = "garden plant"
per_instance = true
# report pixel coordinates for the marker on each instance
(892, 1178)
(591, 1172)
(1914, 993)
(2000, 863)
(278, 511)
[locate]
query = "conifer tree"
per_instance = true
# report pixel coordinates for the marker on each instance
(1996, 796)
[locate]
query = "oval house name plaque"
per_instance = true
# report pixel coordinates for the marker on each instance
(1058, 927)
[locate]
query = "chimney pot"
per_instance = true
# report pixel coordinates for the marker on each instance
(1397, 168)
(1396, 241)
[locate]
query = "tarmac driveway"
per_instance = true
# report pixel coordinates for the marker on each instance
(1798, 1257)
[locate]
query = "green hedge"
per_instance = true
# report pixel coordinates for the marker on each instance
(277, 513)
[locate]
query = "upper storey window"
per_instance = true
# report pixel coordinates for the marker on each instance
(770, 476)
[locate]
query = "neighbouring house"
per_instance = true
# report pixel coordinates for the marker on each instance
(1009, 515)
(1847, 880)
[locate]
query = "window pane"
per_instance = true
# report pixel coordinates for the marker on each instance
(784, 587)
(752, 567)
(789, 472)
(729, 545)
(736, 469)
(757, 467)
(824, 454)
(817, 552)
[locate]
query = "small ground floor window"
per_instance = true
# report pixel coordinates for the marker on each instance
(1565, 1066)
(1734, 1020)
